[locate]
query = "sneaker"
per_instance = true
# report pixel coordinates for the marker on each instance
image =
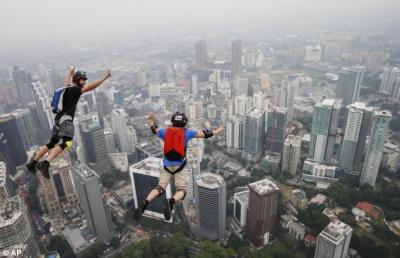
(31, 166)
(168, 207)
(139, 210)
(44, 166)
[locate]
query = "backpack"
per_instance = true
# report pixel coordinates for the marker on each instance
(57, 101)
(174, 144)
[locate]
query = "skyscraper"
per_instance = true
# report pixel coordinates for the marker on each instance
(6, 187)
(355, 132)
(44, 111)
(194, 86)
(291, 154)
(276, 129)
(15, 227)
(201, 53)
(23, 82)
(285, 97)
(323, 130)
(103, 106)
(236, 58)
(241, 86)
(53, 80)
(259, 101)
(254, 132)
(210, 193)
(132, 138)
(334, 241)
(94, 144)
(144, 177)
(194, 110)
(262, 216)
(390, 74)
(25, 127)
(110, 140)
(242, 105)
(373, 156)
(241, 203)
(93, 202)
(349, 84)
(119, 126)
(9, 127)
(59, 188)
(235, 132)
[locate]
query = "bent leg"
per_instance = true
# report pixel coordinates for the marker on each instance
(181, 184)
(164, 179)
(59, 148)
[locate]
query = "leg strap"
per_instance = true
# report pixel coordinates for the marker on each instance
(180, 168)
(160, 190)
(184, 193)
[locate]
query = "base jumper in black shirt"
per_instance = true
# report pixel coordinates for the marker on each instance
(63, 130)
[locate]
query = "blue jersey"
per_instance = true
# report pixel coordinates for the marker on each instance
(189, 134)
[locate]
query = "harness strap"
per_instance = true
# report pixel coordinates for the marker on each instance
(181, 167)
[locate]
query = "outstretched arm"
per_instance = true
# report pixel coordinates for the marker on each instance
(207, 133)
(93, 85)
(68, 78)
(153, 123)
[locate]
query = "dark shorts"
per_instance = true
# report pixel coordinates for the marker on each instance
(64, 127)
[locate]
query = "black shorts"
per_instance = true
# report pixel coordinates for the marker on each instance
(64, 127)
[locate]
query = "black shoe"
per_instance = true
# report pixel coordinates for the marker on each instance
(168, 207)
(44, 166)
(139, 210)
(31, 166)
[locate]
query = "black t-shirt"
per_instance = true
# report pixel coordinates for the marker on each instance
(70, 100)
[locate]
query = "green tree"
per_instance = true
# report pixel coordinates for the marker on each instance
(115, 242)
(59, 244)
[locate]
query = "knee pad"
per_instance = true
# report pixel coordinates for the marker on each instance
(66, 142)
(53, 141)
(184, 193)
(160, 190)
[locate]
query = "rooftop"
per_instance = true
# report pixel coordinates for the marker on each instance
(84, 171)
(125, 192)
(10, 211)
(336, 230)
(148, 164)
(209, 180)
(264, 186)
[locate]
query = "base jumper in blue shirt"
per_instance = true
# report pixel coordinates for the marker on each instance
(176, 139)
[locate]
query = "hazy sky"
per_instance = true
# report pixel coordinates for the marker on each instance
(24, 22)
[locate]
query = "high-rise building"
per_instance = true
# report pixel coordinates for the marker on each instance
(276, 123)
(373, 156)
(254, 132)
(260, 101)
(241, 86)
(15, 227)
(313, 54)
(236, 58)
(94, 144)
(235, 132)
(374, 61)
(355, 132)
(132, 138)
(23, 82)
(194, 110)
(6, 155)
(201, 53)
(194, 86)
(53, 80)
(59, 188)
(390, 74)
(262, 216)
(240, 206)
(334, 241)
(119, 125)
(349, 84)
(110, 140)
(323, 130)
(194, 156)
(6, 187)
(285, 97)
(396, 90)
(25, 127)
(93, 202)
(291, 154)
(242, 105)
(44, 110)
(9, 127)
(210, 194)
(103, 106)
(144, 177)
